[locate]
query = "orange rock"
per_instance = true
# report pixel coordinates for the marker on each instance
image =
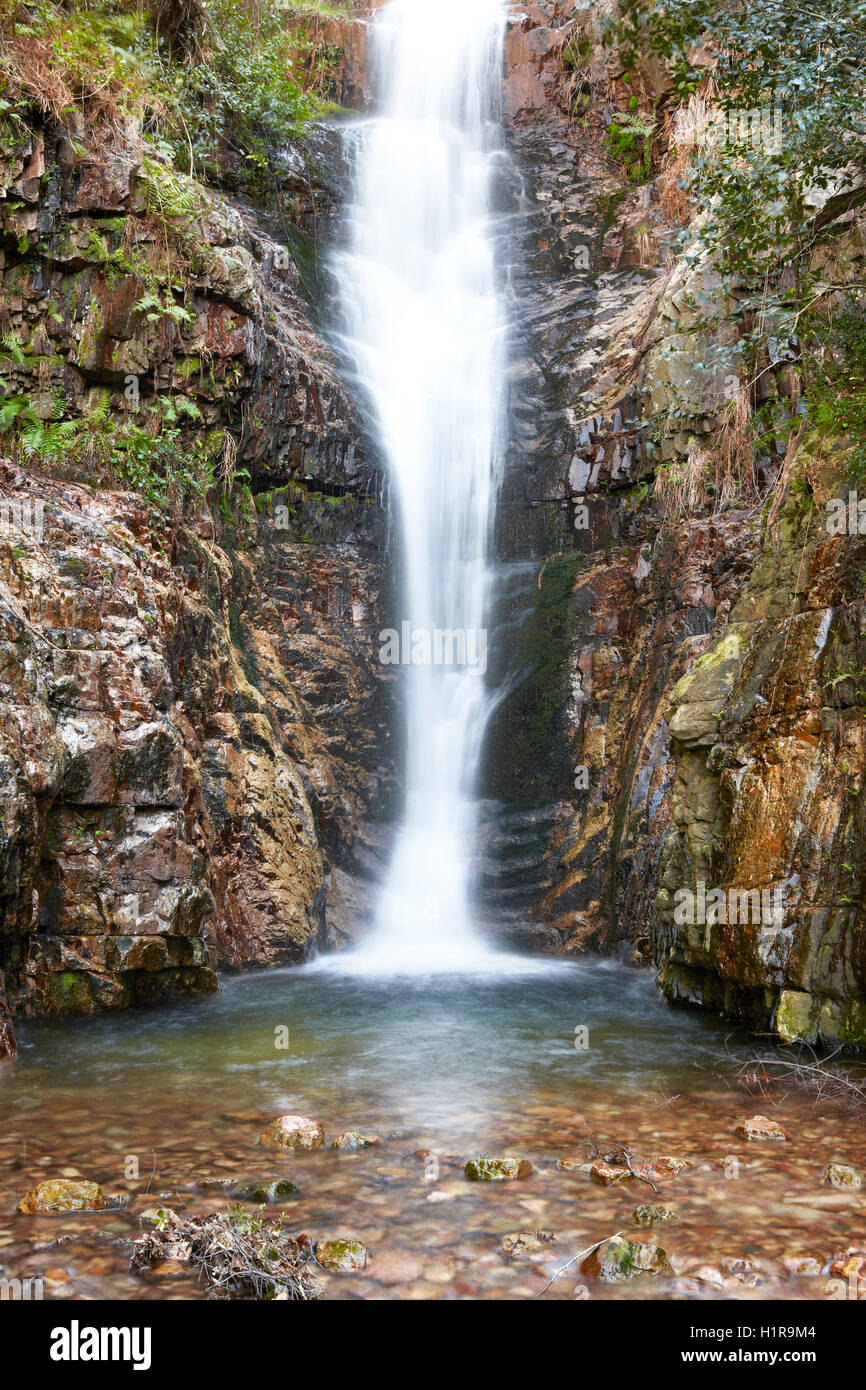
(760, 1128)
(62, 1194)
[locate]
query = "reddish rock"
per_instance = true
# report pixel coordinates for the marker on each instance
(761, 1129)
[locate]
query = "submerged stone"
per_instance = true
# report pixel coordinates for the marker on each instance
(341, 1255)
(264, 1192)
(526, 1242)
(652, 1212)
(63, 1194)
(351, 1142)
(761, 1129)
(842, 1175)
(293, 1132)
(497, 1169)
(620, 1259)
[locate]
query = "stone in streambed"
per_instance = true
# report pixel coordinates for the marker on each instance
(620, 1259)
(841, 1175)
(352, 1142)
(293, 1132)
(341, 1255)
(651, 1212)
(761, 1129)
(525, 1243)
(264, 1192)
(497, 1169)
(62, 1194)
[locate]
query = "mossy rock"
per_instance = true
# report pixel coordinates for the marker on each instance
(352, 1142)
(842, 1175)
(341, 1256)
(62, 1194)
(497, 1169)
(265, 1191)
(620, 1259)
(651, 1212)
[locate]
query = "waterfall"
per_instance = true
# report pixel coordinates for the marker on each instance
(426, 329)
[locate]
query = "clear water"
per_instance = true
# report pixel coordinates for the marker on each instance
(440, 1069)
(426, 329)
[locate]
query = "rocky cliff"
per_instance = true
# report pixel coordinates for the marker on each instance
(194, 728)
(197, 742)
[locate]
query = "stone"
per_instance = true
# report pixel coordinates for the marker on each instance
(497, 1169)
(62, 1194)
(293, 1132)
(351, 1142)
(651, 1212)
(265, 1192)
(609, 1173)
(761, 1129)
(843, 1176)
(620, 1259)
(341, 1256)
(525, 1243)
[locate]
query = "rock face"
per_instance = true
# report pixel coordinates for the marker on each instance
(194, 725)
(685, 717)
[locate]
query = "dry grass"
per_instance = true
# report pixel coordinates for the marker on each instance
(846, 1087)
(237, 1255)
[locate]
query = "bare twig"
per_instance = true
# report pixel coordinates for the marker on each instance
(581, 1256)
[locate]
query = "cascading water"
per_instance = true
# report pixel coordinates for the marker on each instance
(426, 329)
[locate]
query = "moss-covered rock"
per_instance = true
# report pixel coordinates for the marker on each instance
(620, 1259)
(652, 1212)
(341, 1256)
(503, 1169)
(62, 1194)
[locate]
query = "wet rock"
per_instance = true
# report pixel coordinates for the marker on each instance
(264, 1192)
(651, 1212)
(341, 1255)
(760, 1129)
(293, 1132)
(497, 1169)
(802, 1266)
(842, 1176)
(525, 1243)
(609, 1173)
(62, 1194)
(620, 1259)
(352, 1142)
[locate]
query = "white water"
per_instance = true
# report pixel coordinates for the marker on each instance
(427, 331)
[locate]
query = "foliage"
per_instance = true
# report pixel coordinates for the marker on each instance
(223, 80)
(768, 205)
